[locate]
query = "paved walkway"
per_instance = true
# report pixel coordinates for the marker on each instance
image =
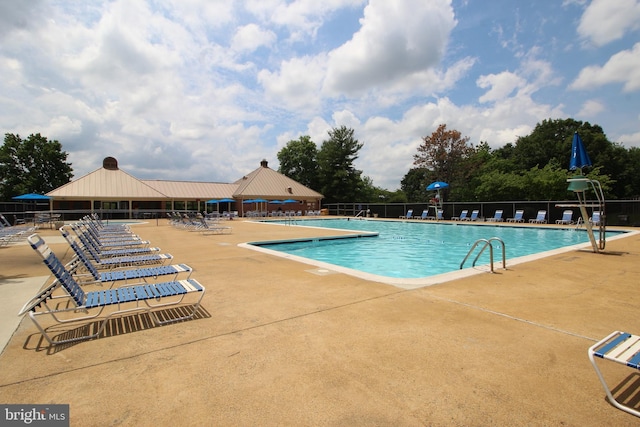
(276, 343)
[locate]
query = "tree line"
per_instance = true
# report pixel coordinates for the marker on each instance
(32, 165)
(534, 167)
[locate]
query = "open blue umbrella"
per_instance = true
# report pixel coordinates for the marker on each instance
(217, 202)
(32, 197)
(579, 156)
(437, 185)
(289, 201)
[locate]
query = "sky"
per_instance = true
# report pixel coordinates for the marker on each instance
(203, 90)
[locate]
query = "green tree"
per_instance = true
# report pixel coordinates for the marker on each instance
(33, 165)
(550, 141)
(628, 179)
(340, 180)
(445, 155)
(299, 161)
(414, 183)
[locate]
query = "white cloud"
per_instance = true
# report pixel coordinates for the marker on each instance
(296, 85)
(591, 108)
(395, 39)
(501, 85)
(250, 37)
(605, 21)
(302, 18)
(623, 67)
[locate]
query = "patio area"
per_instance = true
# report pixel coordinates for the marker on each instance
(278, 342)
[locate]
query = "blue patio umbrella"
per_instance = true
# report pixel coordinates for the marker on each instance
(276, 202)
(437, 185)
(217, 202)
(32, 197)
(289, 201)
(579, 156)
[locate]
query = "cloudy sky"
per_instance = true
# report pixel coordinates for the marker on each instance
(202, 90)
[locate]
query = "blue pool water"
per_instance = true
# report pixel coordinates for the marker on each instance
(417, 249)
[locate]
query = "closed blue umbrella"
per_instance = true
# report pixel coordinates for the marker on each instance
(579, 156)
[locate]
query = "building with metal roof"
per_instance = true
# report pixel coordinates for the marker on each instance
(113, 191)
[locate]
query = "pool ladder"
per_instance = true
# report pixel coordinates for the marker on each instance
(289, 220)
(487, 243)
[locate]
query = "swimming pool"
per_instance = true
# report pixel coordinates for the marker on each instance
(406, 252)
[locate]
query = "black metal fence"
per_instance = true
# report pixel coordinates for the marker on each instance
(619, 212)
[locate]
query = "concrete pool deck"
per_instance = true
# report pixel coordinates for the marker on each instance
(278, 342)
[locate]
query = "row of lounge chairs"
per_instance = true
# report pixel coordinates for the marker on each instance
(541, 217)
(425, 215)
(12, 233)
(199, 223)
(113, 272)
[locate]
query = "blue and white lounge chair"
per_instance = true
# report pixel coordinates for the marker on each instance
(213, 227)
(619, 347)
(567, 217)
(541, 218)
(117, 258)
(89, 242)
(596, 218)
(462, 217)
(425, 214)
(10, 233)
(473, 217)
(82, 262)
(517, 217)
(409, 214)
(147, 298)
(497, 216)
(109, 240)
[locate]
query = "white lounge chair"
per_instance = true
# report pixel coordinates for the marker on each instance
(619, 347)
(567, 217)
(541, 218)
(473, 217)
(517, 217)
(497, 216)
(409, 215)
(462, 217)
